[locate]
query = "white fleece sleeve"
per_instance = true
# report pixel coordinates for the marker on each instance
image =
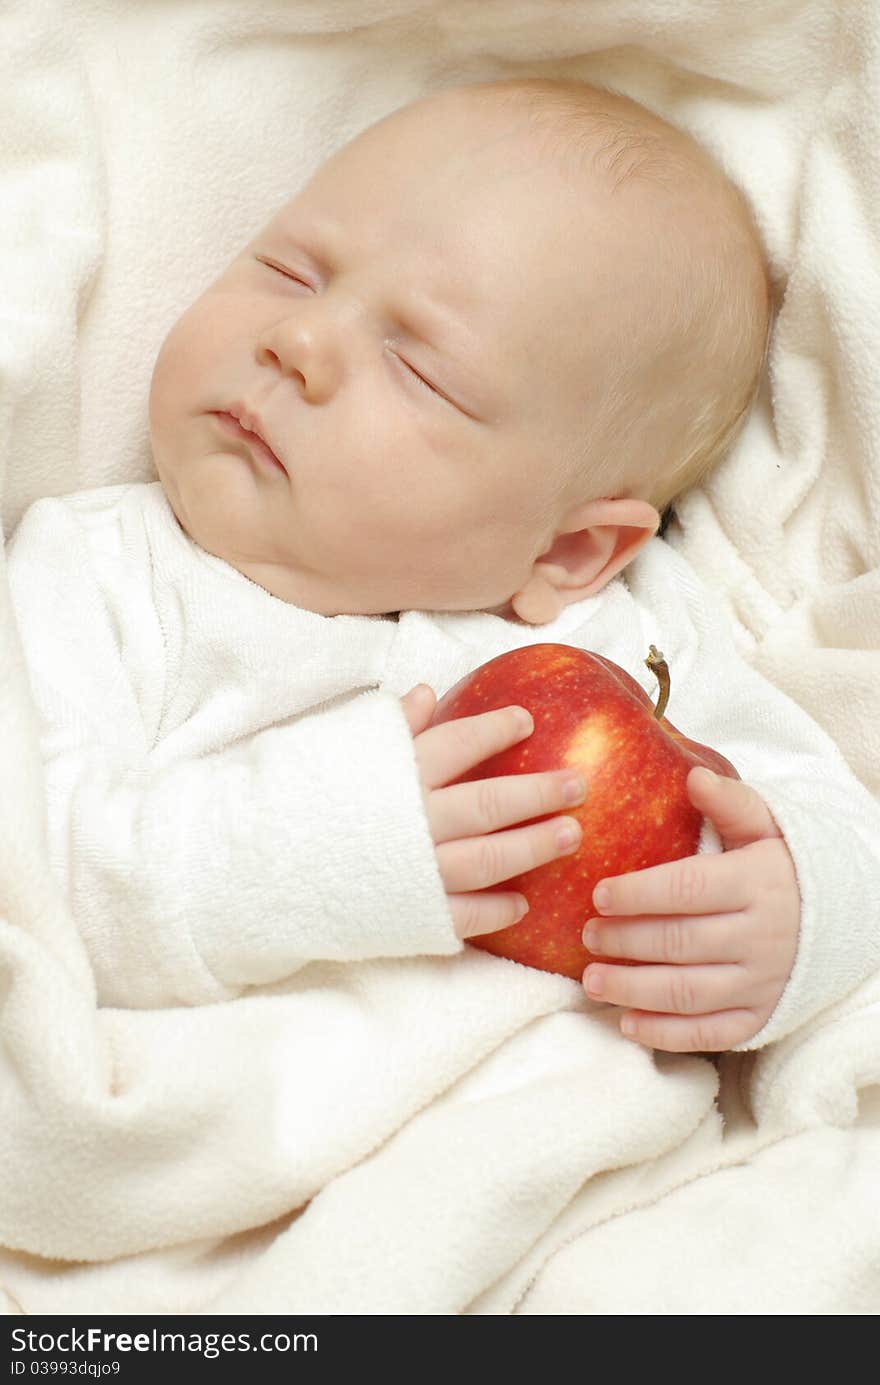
(308, 841)
(829, 820)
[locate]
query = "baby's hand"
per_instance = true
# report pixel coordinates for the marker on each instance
(723, 929)
(461, 816)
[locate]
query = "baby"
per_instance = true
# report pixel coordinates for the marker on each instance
(434, 410)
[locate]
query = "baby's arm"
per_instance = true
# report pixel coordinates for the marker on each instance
(304, 842)
(194, 873)
(806, 814)
(325, 837)
(312, 841)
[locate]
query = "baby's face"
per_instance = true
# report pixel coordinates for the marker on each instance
(409, 333)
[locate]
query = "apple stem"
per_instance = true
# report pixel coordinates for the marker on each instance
(660, 669)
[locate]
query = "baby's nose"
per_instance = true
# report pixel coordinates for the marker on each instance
(306, 350)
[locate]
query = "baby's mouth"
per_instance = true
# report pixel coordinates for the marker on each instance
(260, 449)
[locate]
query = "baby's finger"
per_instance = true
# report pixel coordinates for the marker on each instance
(690, 1034)
(713, 883)
(418, 707)
(705, 938)
(446, 751)
(485, 912)
(695, 990)
(485, 805)
(738, 812)
(477, 862)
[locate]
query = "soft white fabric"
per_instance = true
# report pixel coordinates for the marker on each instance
(143, 143)
(233, 810)
(211, 836)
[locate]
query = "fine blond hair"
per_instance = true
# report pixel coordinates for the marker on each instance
(679, 401)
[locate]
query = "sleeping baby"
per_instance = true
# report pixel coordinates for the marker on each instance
(433, 411)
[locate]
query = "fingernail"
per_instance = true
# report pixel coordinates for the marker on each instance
(627, 1026)
(574, 790)
(568, 836)
(524, 720)
(595, 981)
(601, 897)
(522, 908)
(591, 940)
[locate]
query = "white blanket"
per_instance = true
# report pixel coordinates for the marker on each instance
(142, 145)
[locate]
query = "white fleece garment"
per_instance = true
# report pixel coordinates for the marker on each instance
(157, 1160)
(232, 789)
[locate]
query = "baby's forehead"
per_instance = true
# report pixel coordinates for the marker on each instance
(521, 215)
(467, 161)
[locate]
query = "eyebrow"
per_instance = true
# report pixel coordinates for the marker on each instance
(428, 320)
(319, 234)
(321, 240)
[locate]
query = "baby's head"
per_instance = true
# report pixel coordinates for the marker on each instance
(488, 342)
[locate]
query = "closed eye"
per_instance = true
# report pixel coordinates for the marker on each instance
(286, 273)
(427, 383)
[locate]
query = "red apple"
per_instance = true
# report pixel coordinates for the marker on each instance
(591, 715)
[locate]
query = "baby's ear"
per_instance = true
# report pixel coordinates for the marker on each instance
(597, 540)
